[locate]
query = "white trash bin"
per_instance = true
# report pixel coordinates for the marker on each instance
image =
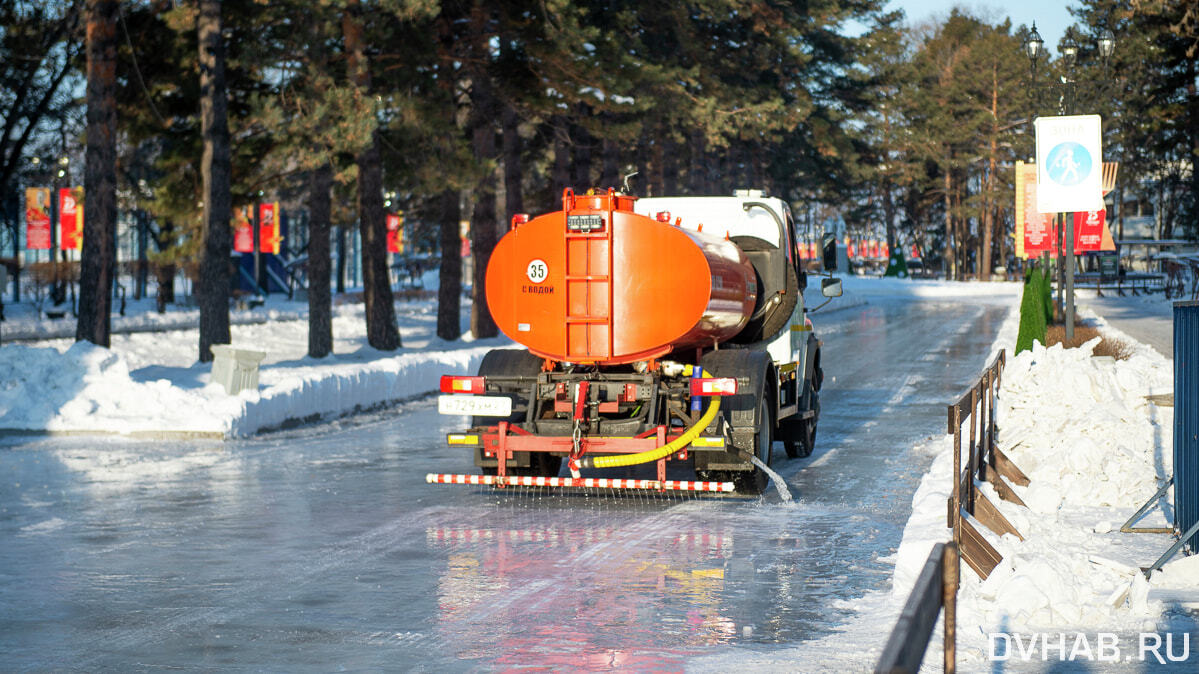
(235, 369)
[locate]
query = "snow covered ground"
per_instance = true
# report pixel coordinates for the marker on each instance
(1082, 428)
(1095, 449)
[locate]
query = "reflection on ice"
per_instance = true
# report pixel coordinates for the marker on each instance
(583, 596)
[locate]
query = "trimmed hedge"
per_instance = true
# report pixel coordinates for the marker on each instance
(1033, 307)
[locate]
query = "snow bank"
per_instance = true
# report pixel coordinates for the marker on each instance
(1095, 449)
(87, 388)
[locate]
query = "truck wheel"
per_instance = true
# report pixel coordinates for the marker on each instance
(748, 481)
(516, 362)
(754, 481)
(803, 438)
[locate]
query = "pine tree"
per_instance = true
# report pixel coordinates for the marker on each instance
(98, 262)
(215, 275)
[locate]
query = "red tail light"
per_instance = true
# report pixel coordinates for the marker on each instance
(519, 219)
(714, 386)
(663, 216)
(454, 384)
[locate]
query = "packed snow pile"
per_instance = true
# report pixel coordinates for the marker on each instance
(87, 388)
(1095, 449)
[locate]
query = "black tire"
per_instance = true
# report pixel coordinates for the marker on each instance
(748, 409)
(802, 435)
(514, 362)
(754, 481)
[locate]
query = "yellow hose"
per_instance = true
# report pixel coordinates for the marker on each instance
(665, 450)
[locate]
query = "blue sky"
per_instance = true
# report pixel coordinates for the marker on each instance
(1051, 16)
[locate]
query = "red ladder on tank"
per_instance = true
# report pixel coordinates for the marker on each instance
(589, 333)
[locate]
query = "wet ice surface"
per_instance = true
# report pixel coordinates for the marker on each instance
(323, 548)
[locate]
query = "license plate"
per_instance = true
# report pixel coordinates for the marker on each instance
(479, 406)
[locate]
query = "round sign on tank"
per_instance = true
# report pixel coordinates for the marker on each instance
(537, 271)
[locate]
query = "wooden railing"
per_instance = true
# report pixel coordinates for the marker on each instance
(936, 588)
(983, 462)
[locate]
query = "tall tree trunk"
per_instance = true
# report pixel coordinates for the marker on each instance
(100, 206)
(610, 170)
(581, 140)
(561, 171)
(449, 292)
(381, 332)
(320, 262)
(657, 159)
(482, 221)
(889, 214)
(670, 165)
(950, 257)
(514, 200)
(1192, 125)
(215, 274)
(984, 258)
(697, 172)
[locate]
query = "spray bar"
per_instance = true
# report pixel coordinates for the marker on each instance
(580, 482)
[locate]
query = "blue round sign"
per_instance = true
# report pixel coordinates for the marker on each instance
(1068, 164)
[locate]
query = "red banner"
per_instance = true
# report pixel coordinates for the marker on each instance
(850, 250)
(886, 250)
(915, 252)
(243, 231)
(70, 218)
(1035, 231)
(37, 218)
(863, 249)
(1089, 230)
(395, 233)
(268, 228)
(874, 252)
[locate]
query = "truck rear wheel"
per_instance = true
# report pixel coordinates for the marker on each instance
(516, 363)
(750, 481)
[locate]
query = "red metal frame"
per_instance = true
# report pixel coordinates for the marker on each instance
(508, 439)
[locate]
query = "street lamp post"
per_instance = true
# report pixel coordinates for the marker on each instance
(1106, 44)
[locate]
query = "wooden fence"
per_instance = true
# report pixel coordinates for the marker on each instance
(936, 588)
(985, 462)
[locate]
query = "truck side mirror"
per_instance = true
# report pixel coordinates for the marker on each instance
(830, 287)
(828, 247)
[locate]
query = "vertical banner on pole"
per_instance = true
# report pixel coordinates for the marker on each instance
(243, 231)
(1035, 231)
(268, 228)
(37, 218)
(395, 232)
(70, 218)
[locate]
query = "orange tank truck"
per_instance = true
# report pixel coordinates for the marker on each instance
(597, 283)
(666, 337)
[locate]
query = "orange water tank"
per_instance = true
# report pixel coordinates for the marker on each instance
(597, 283)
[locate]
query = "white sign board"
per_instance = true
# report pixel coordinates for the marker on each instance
(1069, 164)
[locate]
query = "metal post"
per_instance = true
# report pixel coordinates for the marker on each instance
(54, 233)
(143, 242)
(949, 599)
(341, 259)
(257, 246)
(16, 247)
(1069, 260)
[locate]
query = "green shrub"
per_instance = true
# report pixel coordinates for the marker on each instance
(1032, 311)
(1047, 295)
